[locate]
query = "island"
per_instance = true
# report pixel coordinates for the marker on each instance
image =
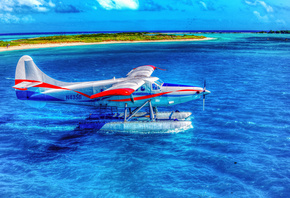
(90, 39)
(276, 32)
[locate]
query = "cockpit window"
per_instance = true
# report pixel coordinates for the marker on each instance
(155, 86)
(159, 82)
(142, 88)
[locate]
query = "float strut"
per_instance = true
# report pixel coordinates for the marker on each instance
(136, 110)
(151, 111)
(125, 113)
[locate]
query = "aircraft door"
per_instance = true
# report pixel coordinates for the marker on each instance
(99, 101)
(156, 89)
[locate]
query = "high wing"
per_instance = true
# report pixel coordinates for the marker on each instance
(142, 71)
(124, 88)
(133, 81)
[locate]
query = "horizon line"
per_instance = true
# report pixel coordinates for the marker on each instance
(152, 31)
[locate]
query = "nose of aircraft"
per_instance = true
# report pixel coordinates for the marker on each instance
(205, 92)
(188, 89)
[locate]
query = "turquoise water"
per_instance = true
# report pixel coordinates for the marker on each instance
(238, 147)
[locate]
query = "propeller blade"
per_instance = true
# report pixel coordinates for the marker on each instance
(204, 88)
(203, 101)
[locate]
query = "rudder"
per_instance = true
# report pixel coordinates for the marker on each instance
(29, 79)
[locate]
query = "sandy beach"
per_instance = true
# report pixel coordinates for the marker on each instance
(35, 46)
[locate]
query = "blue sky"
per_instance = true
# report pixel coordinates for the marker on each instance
(18, 16)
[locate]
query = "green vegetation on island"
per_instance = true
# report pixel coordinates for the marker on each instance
(276, 32)
(93, 38)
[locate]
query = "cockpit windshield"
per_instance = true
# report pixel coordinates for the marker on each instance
(159, 82)
(155, 86)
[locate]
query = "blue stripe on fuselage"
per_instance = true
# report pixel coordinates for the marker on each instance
(31, 95)
(175, 85)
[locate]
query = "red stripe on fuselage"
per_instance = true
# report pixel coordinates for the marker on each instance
(86, 95)
(152, 96)
(22, 89)
(114, 92)
(141, 97)
(45, 85)
(17, 81)
(42, 85)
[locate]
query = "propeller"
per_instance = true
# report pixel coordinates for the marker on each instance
(204, 88)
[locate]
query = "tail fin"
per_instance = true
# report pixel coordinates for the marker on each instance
(29, 79)
(27, 71)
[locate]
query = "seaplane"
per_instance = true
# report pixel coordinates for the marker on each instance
(138, 90)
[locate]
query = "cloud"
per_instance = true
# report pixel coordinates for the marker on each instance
(6, 5)
(280, 21)
(51, 4)
(206, 5)
(119, 4)
(203, 5)
(9, 18)
(267, 7)
(13, 11)
(26, 5)
(61, 8)
(251, 3)
(261, 18)
(282, 7)
(150, 5)
(262, 3)
(268, 10)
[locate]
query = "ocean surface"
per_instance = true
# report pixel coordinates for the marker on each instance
(238, 147)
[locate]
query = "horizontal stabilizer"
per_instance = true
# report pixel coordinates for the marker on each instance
(24, 85)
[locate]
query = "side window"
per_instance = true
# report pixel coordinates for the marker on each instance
(155, 87)
(142, 88)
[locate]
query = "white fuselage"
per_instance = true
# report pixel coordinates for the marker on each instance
(160, 94)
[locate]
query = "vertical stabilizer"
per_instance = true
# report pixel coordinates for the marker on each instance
(32, 72)
(27, 71)
(30, 81)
